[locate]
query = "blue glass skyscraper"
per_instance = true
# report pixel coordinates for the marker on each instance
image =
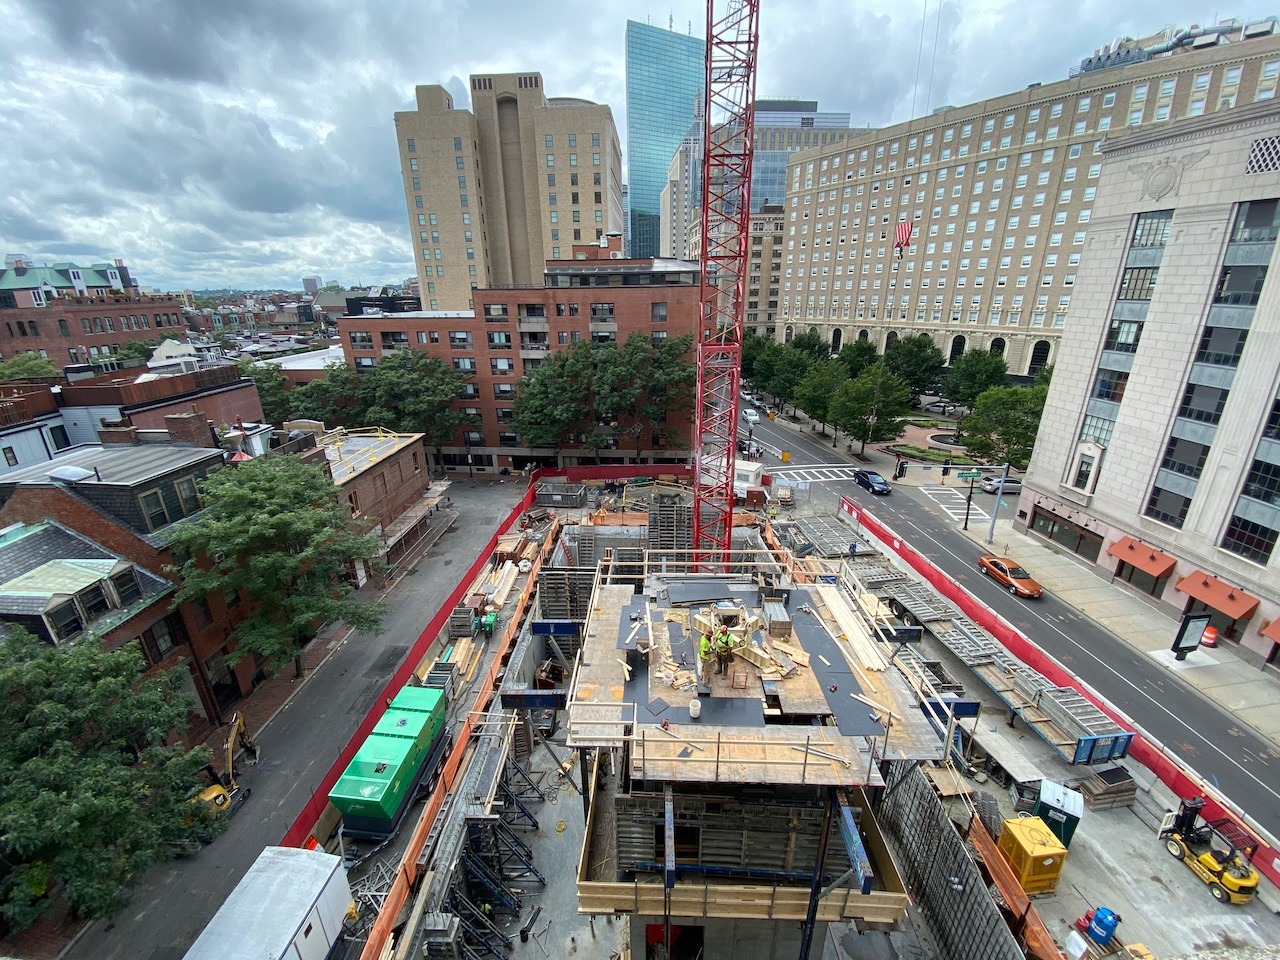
(666, 72)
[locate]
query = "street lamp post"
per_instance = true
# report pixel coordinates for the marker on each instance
(968, 504)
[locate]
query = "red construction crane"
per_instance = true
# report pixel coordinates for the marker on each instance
(733, 39)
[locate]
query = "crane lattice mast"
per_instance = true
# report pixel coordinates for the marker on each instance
(733, 39)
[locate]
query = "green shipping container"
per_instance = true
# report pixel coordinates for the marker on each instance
(376, 785)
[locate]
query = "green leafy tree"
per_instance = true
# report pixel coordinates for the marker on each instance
(92, 790)
(636, 386)
(270, 381)
(554, 399)
(784, 367)
(752, 346)
(1044, 376)
(413, 392)
(1004, 422)
(819, 386)
(868, 408)
(330, 399)
(275, 530)
(918, 361)
(811, 344)
(973, 374)
(27, 365)
(857, 356)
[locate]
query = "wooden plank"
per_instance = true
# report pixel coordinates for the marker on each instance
(795, 653)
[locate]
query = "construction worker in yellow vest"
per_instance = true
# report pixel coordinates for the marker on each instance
(706, 657)
(724, 648)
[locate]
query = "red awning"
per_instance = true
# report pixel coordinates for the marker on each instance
(1219, 595)
(1147, 559)
(1272, 630)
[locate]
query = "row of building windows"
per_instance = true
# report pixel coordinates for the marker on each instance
(1164, 90)
(573, 160)
(549, 140)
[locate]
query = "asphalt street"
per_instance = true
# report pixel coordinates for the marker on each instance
(1236, 760)
(175, 900)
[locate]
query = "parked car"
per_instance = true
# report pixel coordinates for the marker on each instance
(992, 484)
(1010, 576)
(751, 416)
(872, 481)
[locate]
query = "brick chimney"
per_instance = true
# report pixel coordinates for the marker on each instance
(190, 429)
(117, 432)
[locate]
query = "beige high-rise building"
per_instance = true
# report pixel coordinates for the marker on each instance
(496, 191)
(999, 195)
(1158, 456)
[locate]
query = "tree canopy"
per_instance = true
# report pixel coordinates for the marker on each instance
(974, 373)
(92, 792)
(411, 392)
(779, 370)
(811, 344)
(857, 356)
(818, 388)
(274, 530)
(1004, 423)
(554, 399)
(330, 399)
(270, 381)
(24, 365)
(752, 346)
(916, 360)
(608, 394)
(868, 407)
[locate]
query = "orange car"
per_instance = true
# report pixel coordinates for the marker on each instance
(1008, 574)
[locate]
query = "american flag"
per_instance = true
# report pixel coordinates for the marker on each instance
(903, 236)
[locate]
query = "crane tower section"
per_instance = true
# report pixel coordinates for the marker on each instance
(733, 39)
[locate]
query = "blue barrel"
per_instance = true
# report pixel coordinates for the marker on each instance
(1103, 926)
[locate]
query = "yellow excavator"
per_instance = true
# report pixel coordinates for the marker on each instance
(224, 793)
(1217, 851)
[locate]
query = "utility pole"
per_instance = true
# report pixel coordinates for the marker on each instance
(991, 531)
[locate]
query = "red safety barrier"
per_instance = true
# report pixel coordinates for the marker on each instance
(306, 820)
(1145, 749)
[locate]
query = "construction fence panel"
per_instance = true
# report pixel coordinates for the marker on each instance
(939, 871)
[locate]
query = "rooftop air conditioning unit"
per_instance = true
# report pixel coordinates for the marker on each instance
(615, 255)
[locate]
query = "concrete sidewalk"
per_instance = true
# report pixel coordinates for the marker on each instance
(1249, 694)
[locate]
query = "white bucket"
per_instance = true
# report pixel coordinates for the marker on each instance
(695, 708)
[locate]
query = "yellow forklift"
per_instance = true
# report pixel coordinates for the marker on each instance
(1217, 851)
(224, 793)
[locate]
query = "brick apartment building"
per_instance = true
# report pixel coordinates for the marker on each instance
(36, 422)
(121, 496)
(221, 394)
(71, 314)
(383, 477)
(595, 297)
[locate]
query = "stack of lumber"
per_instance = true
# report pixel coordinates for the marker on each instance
(845, 624)
(1109, 788)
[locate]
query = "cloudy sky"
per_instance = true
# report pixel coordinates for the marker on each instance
(248, 143)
